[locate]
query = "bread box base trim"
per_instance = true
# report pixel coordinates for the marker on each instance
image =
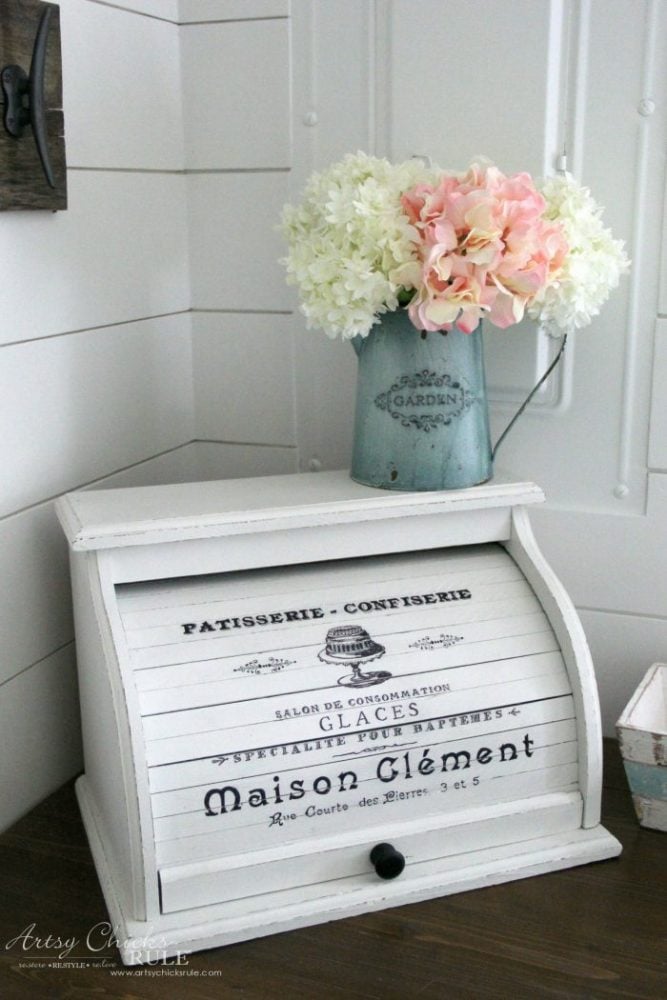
(156, 940)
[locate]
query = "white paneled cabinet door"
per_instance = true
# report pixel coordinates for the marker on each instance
(536, 85)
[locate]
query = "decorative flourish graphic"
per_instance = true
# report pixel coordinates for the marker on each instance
(369, 751)
(439, 642)
(446, 398)
(270, 666)
(352, 646)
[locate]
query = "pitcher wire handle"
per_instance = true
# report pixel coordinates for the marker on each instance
(529, 397)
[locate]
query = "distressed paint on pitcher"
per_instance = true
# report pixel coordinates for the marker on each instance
(421, 418)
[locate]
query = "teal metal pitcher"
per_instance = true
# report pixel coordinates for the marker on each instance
(421, 420)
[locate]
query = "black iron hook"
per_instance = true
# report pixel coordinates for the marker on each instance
(17, 85)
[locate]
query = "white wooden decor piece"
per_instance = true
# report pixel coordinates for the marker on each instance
(642, 737)
(303, 699)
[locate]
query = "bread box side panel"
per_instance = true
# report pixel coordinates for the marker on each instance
(112, 778)
(568, 629)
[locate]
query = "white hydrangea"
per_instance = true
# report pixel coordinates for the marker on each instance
(593, 264)
(346, 239)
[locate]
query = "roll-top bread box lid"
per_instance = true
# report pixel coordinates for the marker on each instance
(303, 699)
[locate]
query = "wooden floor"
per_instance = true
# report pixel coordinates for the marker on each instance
(595, 931)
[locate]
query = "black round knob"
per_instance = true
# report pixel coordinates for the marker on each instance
(387, 861)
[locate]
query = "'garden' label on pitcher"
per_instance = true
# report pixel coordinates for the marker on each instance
(425, 400)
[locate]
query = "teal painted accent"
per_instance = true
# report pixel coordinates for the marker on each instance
(421, 420)
(647, 780)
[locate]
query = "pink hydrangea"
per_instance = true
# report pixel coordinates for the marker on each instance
(485, 249)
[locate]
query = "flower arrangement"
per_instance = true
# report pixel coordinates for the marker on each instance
(371, 237)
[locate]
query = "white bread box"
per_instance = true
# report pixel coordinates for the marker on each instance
(303, 698)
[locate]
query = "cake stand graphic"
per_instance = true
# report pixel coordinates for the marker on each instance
(351, 645)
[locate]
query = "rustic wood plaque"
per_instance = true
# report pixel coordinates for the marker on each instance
(358, 700)
(23, 183)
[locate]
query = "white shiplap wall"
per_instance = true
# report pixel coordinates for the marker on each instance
(121, 311)
(95, 362)
(236, 85)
